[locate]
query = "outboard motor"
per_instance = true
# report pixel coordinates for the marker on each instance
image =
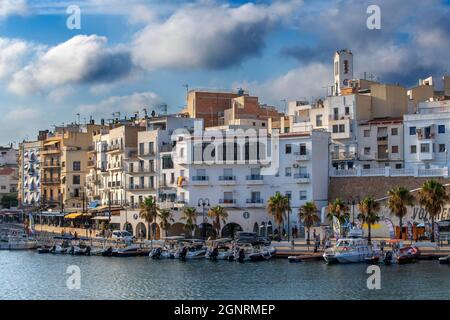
(156, 254)
(72, 250)
(183, 254)
(241, 256)
(214, 254)
(388, 258)
(88, 251)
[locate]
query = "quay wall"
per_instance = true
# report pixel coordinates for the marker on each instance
(348, 188)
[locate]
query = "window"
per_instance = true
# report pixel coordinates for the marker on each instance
(335, 128)
(76, 165)
(167, 162)
(76, 180)
(288, 171)
(347, 111)
(366, 133)
(394, 149)
(288, 149)
(366, 166)
(131, 167)
(141, 148)
(412, 131)
(303, 195)
(394, 132)
(342, 128)
(413, 149)
(398, 166)
(319, 120)
(346, 66)
(441, 128)
(302, 149)
(289, 195)
(442, 147)
(424, 147)
(367, 151)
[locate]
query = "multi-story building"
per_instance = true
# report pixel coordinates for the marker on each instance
(64, 161)
(427, 135)
(29, 185)
(8, 156)
(8, 181)
(380, 143)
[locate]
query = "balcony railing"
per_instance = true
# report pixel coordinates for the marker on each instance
(227, 201)
(301, 176)
(200, 178)
(255, 201)
(255, 177)
(227, 178)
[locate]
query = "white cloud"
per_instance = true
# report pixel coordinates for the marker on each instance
(12, 7)
(124, 104)
(81, 59)
(12, 53)
(209, 35)
(302, 82)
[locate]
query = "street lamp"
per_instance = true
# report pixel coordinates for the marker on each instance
(204, 204)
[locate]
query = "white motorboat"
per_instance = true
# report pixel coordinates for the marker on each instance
(350, 250)
(166, 248)
(221, 249)
(18, 242)
(192, 249)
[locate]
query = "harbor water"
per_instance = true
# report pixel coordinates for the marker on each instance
(29, 275)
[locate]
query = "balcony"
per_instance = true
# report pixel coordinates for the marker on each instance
(343, 155)
(255, 203)
(115, 166)
(51, 164)
(199, 181)
(91, 164)
(114, 148)
(138, 187)
(302, 177)
(301, 156)
(51, 181)
(142, 171)
(426, 156)
(255, 179)
(50, 150)
(227, 180)
(227, 203)
(147, 154)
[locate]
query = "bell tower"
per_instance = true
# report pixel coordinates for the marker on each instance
(343, 70)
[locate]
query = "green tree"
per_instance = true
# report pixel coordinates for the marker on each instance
(9, 200)
(307, 213)
(166, 217)
(433, 196)
(399, 199)
(340, 210)
(368, 209)
(190, 215)
(149, 212)
(277, 207)
(218, 214)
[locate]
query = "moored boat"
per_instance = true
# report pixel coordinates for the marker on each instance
(350, 250)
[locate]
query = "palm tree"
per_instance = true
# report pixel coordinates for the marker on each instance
(166, 217)
(368, 209)
(338, 209)
(399, 199)
(218, 214)
(433, 197)
(149, 211)
(307, 214)
(277, 206)
(190, 215)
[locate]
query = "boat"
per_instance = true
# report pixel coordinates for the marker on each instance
(166, 248)
(44, 249)
(247, 252)
(80, 250)
(18, 242)
(190, 250)
(132, 250)
(444, 260)
(407, 254)
(350, 250)
(221, 249)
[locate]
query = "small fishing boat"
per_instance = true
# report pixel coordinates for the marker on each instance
(221, 249)
(18, 242)
(132, 250)
(407, 254)
(350, 250)
(191, 250)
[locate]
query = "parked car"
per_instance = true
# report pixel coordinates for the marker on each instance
(122, 235)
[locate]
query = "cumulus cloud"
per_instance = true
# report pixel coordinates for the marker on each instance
(208, 35)
(80, 60)
(124, 104)
(408, 46)
(12, 53)
(12, 7)
(302, 82)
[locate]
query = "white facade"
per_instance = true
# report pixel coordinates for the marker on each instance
(427, 135)
(8, 156)
(343, 70)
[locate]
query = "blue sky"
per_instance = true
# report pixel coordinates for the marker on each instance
(131, 54)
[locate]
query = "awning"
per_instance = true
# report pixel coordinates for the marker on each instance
(93, 204)
(51, 143)
(73, 215)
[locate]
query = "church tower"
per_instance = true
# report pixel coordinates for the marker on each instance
(343, 70)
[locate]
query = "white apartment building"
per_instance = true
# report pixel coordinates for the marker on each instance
(380, 143)
(427, 135)
(8, 156)
(30, 174)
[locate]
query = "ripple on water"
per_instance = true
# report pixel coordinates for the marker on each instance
(28, 275)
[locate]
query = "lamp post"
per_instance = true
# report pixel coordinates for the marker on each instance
(204, 204)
